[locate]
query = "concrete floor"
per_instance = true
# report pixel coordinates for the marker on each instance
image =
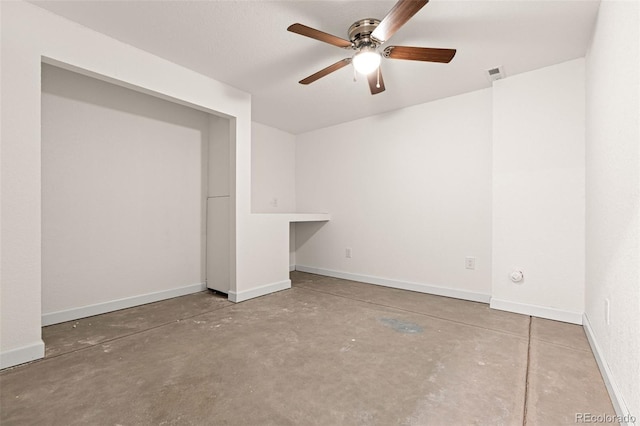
(326, 352)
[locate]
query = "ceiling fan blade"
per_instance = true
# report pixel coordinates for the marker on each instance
(328, 70)
(318, 35)
(376, 83)
(428, 54)
(397, 17)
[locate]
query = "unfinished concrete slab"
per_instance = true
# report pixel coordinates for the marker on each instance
(300, 356)
(470, 313)
(73, 335)
(564, 380)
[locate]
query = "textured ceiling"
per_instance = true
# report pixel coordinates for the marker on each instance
(245, 44)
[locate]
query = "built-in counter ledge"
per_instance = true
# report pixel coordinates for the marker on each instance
(302, 217)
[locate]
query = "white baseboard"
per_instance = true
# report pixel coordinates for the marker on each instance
(241, 296)
(21, 355)
(536, 311)
(403, 285)
(114, 305)
(292, 268)
(614, 391)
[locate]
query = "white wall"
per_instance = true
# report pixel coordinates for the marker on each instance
(273, 156)
(260, 242)
(538, 192)
(219, 163)
(613, 198)
(408, 191)
(122, 192)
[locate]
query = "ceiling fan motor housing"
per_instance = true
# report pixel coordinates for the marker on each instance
(360, 32)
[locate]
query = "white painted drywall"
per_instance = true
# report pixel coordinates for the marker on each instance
(219, 157)
(30, 35)
(122, 192)
(273, 156)
(613, 194)
(538, 191)
(292, 246)
(408, 191)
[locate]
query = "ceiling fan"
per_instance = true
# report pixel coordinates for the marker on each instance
(366, 36)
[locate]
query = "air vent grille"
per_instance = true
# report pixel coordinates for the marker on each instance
(496, 73)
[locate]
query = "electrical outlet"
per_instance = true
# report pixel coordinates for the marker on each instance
(607, 310)
(470, 262)
(347, 253)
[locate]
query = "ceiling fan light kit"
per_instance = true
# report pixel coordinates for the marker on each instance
(366, 36)
(366, 61)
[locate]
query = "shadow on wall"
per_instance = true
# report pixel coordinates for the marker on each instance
(81, 88)
(306, 230)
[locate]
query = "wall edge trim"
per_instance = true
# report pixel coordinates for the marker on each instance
(607, 375)
(22, 354)
(536, 311)
(263, 290)
(115, 305)
(402, 285)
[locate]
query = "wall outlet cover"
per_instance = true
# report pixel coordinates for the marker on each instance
(470, 262)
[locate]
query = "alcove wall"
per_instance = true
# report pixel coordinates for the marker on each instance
(125, 181)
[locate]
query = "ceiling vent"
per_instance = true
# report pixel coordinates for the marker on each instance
(496, 73)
